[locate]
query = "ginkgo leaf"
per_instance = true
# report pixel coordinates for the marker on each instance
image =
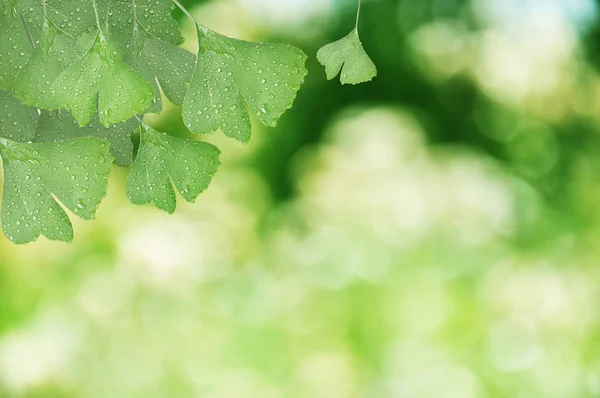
(122, 94)
(100, 76)
(15, 48)
(59, 126)
(349, 56)
(164, 161)
(54, 53)
(233, 76)
(74, 172)
(158, 60)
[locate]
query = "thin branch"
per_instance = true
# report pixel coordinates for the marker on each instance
(98, 19)
(186, 12)
(358, 14)
(45, 12)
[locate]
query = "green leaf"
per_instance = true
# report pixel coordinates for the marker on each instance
(55, 52)
(349, 56)
(158, 60)
(101, 76)
(15, 48)
(74, 172)
(164, 160)
(60, 126)
(233, 74)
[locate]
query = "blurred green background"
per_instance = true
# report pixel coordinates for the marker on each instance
(432, 234)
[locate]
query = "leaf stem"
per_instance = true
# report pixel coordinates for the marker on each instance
(45, 12)
(97, 19)
(358, 14)
(186, 12)
(199, 26)
(135, 23)
(140, 120)
(27, 32)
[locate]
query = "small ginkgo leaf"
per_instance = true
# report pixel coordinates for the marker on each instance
(164, 161)
(233, 77)
(349, 56)
(74, 172)
(100, 76)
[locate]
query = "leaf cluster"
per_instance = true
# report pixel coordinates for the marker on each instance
(76, 79)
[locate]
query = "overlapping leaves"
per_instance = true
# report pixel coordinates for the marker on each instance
(76, 77)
